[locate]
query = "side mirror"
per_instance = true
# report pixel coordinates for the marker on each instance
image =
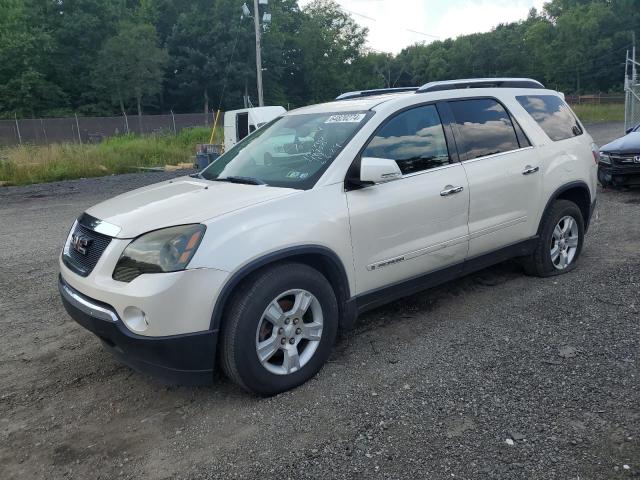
(378, 170)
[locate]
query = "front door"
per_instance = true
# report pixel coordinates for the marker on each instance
(417, 223)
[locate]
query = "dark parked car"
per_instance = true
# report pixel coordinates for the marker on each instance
(620, 160)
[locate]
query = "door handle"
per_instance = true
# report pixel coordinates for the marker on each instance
(528, 170)
(450, 190)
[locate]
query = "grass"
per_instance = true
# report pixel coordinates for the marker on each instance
(26, 164)
(604, 112)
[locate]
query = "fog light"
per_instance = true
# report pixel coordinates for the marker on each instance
(135, 319)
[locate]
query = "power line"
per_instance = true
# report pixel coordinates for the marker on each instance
(357, 14)
(421, 33)
(397, 28)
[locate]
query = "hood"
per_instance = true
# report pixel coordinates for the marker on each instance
(630, 143)
(180, 201)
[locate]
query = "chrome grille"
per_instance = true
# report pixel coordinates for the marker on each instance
(96, 243)
(626, 159)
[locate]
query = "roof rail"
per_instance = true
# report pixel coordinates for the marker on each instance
(378, 91)
(479, 83)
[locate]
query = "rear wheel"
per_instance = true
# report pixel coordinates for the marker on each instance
(280, 328)
(560, 241)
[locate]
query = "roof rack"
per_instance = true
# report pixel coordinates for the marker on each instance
(378, 91)
(479, 83)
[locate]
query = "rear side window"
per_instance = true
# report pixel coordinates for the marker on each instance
(484, 126)
(552, 114)
(414, 139)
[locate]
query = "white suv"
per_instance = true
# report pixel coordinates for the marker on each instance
(325, 212)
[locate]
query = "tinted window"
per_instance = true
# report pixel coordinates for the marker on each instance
(485, 128)
(414, 139)
(552, 114)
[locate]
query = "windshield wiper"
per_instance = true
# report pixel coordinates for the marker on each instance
(196, 175)
(243, 180)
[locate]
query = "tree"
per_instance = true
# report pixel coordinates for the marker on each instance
(209, 47)
(77, 30)
(282, 55)
(98, 56)
(131, 65)
(330, 41)
(24, 61)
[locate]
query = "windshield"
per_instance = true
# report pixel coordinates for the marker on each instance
(291, 151)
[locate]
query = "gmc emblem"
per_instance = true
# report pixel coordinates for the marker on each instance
(80, 243)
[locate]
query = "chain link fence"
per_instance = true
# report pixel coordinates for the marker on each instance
(632, 105)
(595, 99)
(631, 91)
(43, 131)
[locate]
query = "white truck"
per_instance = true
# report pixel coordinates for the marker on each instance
(240, 123)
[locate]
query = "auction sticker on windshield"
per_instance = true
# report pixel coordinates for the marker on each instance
(346, 118)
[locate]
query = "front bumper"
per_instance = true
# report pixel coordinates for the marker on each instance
(186, 359)
(617, 175)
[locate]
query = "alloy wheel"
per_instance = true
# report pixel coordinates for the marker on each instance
(564, 242)
(289, 332)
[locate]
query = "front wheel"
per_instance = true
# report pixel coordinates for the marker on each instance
(280, 328)
(560, 241)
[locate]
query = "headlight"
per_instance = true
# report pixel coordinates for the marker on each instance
(167, 250)
(605, 158)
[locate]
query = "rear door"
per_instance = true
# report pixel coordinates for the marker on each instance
(503, 172)
(417, 223)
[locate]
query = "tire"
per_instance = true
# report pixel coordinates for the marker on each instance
(265, 308)
(542, 262)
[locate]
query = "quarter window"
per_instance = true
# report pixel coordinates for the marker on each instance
(552, 114)
(484, 126)
(414, 139)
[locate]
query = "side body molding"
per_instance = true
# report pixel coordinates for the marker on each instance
(337, 278)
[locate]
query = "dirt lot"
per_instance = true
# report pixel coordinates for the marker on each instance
(428, 387)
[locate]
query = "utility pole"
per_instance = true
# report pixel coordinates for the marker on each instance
(256, 22)
(634, 64)
(634, 81)
(626, 91)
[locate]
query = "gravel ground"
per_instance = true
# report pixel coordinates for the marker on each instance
(496, 375)
(603, 133)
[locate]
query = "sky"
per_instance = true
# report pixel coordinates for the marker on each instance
(395, 24)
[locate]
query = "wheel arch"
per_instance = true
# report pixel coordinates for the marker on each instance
(577, 192)
(323, 259)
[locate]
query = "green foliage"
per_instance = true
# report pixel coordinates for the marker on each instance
(131, 65)
(27, 164)
(200, 44)
(330, 41)
(24, 61)
(98, 57)
(575, 46)
(77, 29)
